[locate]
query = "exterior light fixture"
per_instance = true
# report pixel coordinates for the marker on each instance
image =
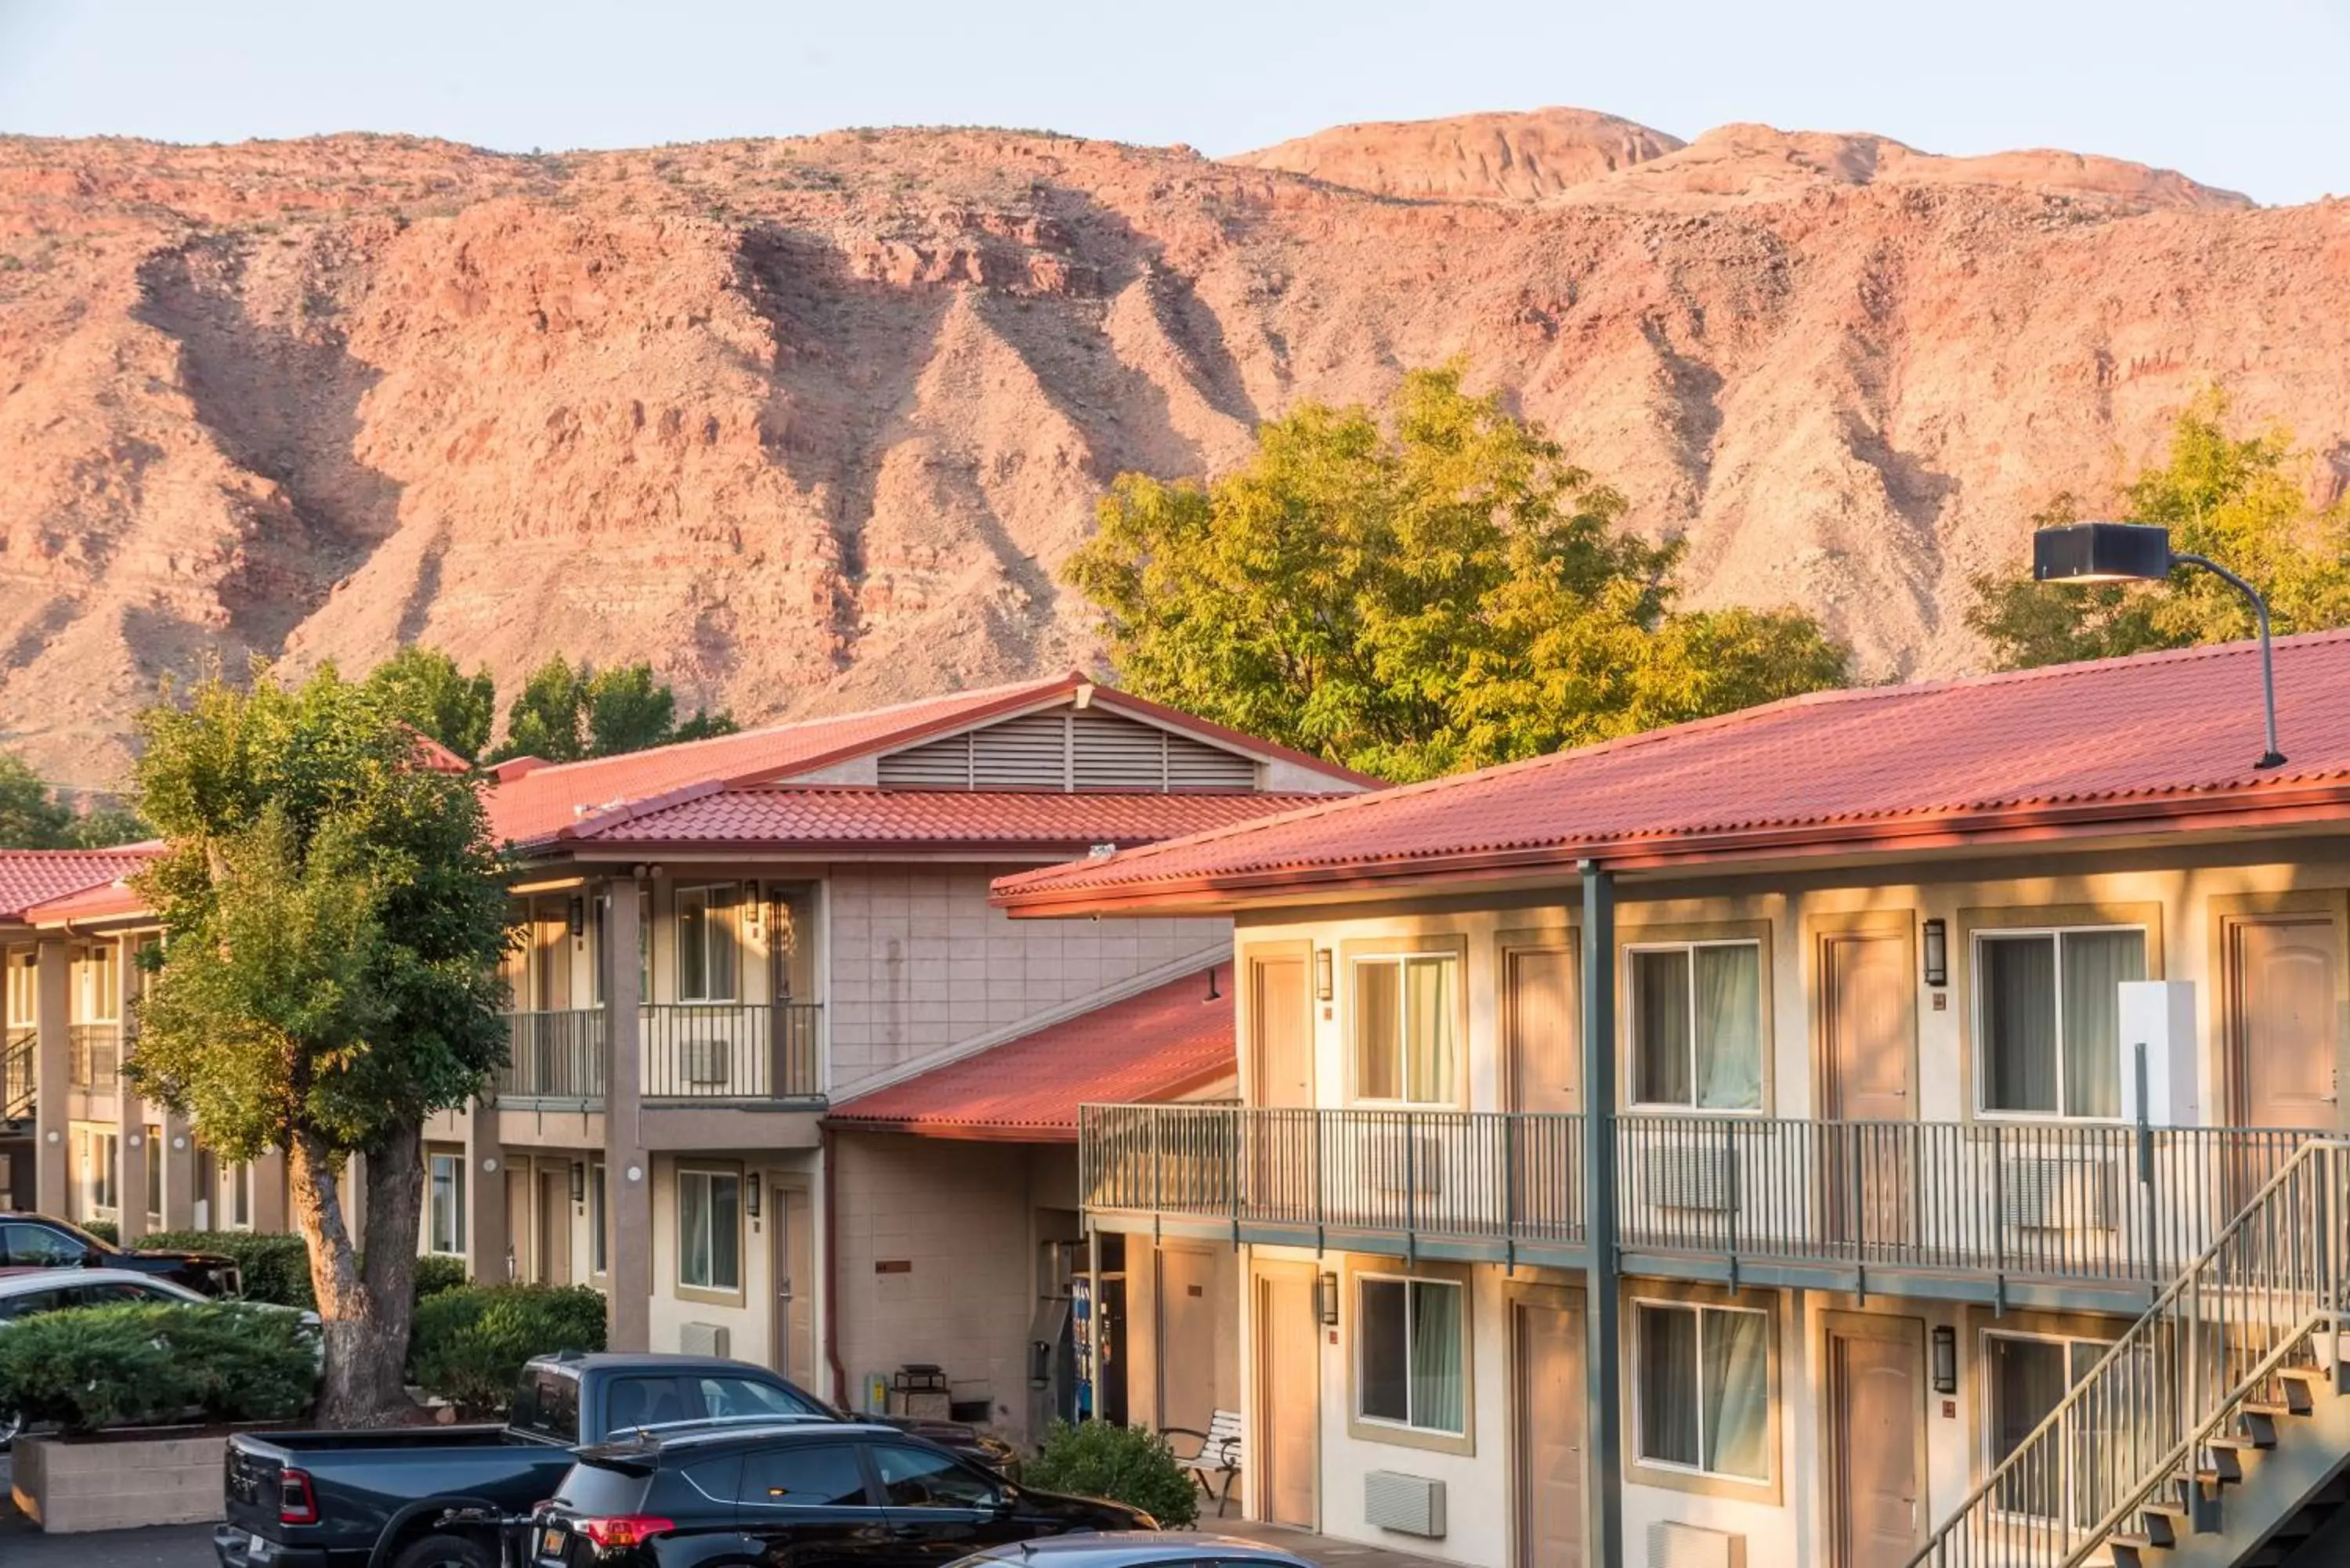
(2095, 553)
(579, 916)
(1325, 1299)
(1937, 952)
(1213, 994)
(1321, 985)
(578, 1181)
(1946, 1360)
(751, 1195)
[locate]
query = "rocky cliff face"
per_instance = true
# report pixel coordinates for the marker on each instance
(810, 423)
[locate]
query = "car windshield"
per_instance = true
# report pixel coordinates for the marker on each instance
(95, 1243)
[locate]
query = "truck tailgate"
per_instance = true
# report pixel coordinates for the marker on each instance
(249, 1485)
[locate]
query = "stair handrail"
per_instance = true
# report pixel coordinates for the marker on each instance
(17, 1049)
(1980, 1533)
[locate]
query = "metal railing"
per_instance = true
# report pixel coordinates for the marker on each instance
(732, 1050)
(558, 1054)
(17, 1058)
(94, 1054)
(2254, 1306)
(2089, 1204)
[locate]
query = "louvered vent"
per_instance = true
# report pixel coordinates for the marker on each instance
(1672, 1544)
(2053, 1194)
(940, 764)
(1027, 752)
(1691, 1178)
(1111, 753)
(1086, 750)
(704, 1339)
(1410, 1505)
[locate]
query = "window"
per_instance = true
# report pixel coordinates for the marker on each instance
(26, 1304)
(1697, 1025)
(1409, 1336)
(918, 1477)
(632, 1402)
(445, 1224)
(102, 984)
(706, 943)
(24, 979)
(710, 1230)
(39, 1247)
(1404, 1008)
(2025, 1377)
(155, 1175)
(2051, 1018)
(597, 1241)
(804, 1475)
(238, 1179)
(729, 1397)
(1702, 1388)
(98, 1172)
(547, 1404)
(644, 944)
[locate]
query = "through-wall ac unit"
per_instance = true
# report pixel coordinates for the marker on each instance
(1403, 1161)
(705, 1061)
(705, 1339)
(1409, 1505)
(1691, 1178)
(1672, 1544)
(2056, 1193)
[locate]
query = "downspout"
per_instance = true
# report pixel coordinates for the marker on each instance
(832, 1270)
(1603, 1371)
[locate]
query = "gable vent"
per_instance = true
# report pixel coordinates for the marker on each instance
(1062, 750)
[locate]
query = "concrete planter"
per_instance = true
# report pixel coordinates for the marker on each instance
(120, 1479)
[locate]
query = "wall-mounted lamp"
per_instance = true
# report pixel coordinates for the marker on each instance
(578, 1181)
(1322, 984)
(579, 916)
(1325, 1299)
(1946, 1360)
(1213, 994)
(1937, 952)
(751, 1195)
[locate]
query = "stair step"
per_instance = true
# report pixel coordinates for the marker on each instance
(2165, 1523)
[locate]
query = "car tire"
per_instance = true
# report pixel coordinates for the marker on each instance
(442, 1550)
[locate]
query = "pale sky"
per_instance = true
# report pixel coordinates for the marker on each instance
(2245, 94)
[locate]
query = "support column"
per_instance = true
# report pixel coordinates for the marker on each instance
(627, 1170)
(486, 1195)
(131, 1152)
(52, 1075)
(1602, 1303)
(269, 1207)
(179, 1156)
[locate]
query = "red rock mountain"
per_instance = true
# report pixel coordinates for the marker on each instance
(810, 423)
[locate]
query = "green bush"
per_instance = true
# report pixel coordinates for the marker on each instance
(104, 1229)
(276, 1265)
(436, 1273)
(469, 1343)
(1130, 1465)
(143, 1362)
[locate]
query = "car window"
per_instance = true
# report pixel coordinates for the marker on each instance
(717, 1479)
(37, 1247)
(804, 1475)
(110, 1293)
(25, 1304)
(724, 1395)
(918, 1477)
(634, 1402)
(546, 1402)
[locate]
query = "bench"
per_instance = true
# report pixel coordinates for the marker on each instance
(1216, 1458)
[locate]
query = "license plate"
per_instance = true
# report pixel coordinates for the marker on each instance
(252, 1544)
(550, 1541)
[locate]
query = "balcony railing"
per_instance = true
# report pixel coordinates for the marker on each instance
(18, 1052)
(94, 1053)
(555, 1054)
(732, 1050)
(2048, 1202)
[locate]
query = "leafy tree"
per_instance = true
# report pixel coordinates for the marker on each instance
(32, 816)
(548, 719)
(566, 714)
(627, 711)
(425, 687)
(1444, 593)
(2236, 499)
(334, 922)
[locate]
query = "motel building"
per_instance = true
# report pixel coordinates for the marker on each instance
(1890, 1121)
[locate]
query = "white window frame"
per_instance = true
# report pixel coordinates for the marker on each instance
(1362, 1344)
(599, 1197)
(433, 1239)
(99, 1155)
(731, 910)
(1987, 1426)
(712, 1174)
(1399, 961)
(23, 985)
(1631, 995)
(1640, 1414)
(1982, 1001)
(98, 998)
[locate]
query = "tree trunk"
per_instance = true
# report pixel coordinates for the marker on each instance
(364, 1305)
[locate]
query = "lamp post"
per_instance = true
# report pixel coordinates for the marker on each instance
(2141, 552)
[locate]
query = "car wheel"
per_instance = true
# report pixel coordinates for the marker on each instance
(438, 1551)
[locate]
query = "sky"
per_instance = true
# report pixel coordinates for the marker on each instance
(2245, 95)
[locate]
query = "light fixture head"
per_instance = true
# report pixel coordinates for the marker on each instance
(2101, 552)
(1322, 979)
(1946, 1360)
(751, 1195)
(1325, 1299)
(1937, 952)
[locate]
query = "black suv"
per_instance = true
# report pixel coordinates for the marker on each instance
(38, 1242)
(816, 1495)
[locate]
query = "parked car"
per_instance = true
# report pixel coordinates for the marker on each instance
(39, 1242)
(811, 1493)
(1144, 1548)
(360, 1500)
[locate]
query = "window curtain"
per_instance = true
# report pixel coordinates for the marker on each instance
(2095, 964)
(1668, 1386)
(1436, 1392)
(1730, 1028)
(721, 940)
(1660, 1021)
(693, 1229)
(2028, 1378)
(726, 1232)
(1737, 1391)
(692, 946)
(1427, 1011)
(1378, 1030)
(1385, 1394)
(2019, 1010)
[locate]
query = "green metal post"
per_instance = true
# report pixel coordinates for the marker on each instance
(1603, 1373)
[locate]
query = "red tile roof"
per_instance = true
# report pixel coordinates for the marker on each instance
(821, 816)
(2158, 742)
(34, 876)
(1165, 1042)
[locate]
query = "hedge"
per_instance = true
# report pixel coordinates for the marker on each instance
(141, 1362)
(276, 1264)
(1131, 1465)
(469, 1343)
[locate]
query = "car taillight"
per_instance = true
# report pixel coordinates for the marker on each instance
(625, 1530)
(297, 1503)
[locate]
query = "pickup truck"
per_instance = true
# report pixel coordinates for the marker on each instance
(375, 1499)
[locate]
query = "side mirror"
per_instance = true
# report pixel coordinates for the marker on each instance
(1006, 1501)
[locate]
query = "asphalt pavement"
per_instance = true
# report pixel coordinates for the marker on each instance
(166, 1546)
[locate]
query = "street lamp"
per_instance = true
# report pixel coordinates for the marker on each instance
(2141, 552)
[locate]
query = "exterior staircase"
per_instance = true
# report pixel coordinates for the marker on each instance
(16, 1055)
(2215, 1432)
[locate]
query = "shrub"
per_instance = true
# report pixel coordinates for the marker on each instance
(436, 1273)
(104, 1229)
(141, 1362)
(276, 1265)
(469, 1342)
(1126, 1464)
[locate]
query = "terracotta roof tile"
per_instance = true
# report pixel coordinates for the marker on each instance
(1162, 1043)
(34, 877)
(817, 816)
(2132, 739)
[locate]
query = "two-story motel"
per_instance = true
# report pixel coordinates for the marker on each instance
(1729, 1143)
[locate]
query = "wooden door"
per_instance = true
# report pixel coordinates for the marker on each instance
(794, 1318)
(1281, 1031)
(1870, 1046)
(1287, 1439)
(1877, 1392)
(1542, 1047)
(2284, 1013)
(1190, 1323)
(1546, 1345)
(555, 1226)
(520, 1259)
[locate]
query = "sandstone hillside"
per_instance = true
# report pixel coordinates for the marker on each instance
(810, 422)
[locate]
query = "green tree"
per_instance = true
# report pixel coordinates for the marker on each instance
(33, 816)
(1445, 591)
(2236, 499)
(425, 687)
(334, 921)
(567, 713)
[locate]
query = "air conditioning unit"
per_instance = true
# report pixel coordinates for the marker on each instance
(1672, 1544)
(2051, 1193)
(705, 1339)
(1409, 1505)
(1401, 1161)
(1688, 1177)
(705, 1061)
